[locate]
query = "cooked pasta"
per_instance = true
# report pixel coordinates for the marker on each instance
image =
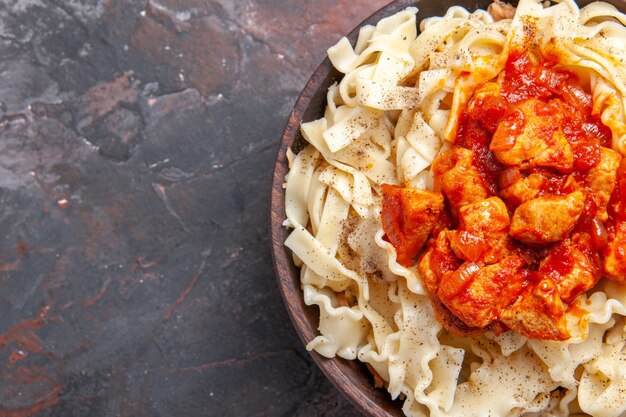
(397, 107)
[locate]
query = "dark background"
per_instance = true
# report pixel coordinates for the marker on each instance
(137, 142)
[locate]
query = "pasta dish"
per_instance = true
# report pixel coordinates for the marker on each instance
(459, 212)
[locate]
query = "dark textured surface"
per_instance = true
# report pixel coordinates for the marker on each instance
(136, 148)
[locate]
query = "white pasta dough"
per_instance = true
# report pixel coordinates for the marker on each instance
(386, 120)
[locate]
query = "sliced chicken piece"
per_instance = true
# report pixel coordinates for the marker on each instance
(444, 222)
(437, 261)
(617, 204)
(456, 176)
(602, 179)
(531, 136)
(572, 265)
(539, 313)
(451, 322)
(477, 295)
(427, 271)
(487, 218)
(517, 189)
(408, 216)
(547, 219)
(472, 248)
(523, 189)
(614, 266)
(483, 231)
(487, 105)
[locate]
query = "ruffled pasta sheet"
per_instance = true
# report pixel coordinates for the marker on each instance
(316, 212)
(410, 356)
(378, 88)
(602, 389)
(603, 382)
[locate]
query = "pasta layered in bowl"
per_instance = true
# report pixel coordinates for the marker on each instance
(458, 214)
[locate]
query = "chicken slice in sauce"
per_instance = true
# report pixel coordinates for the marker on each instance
(518, 189)
(530, 136)
(482, 234)
(408, 217)
(477, 294)
(617, 204)
(451, 322)
(487, 106)
(572, 265)
(547, 219)
(436, 261)
(602, 179)
(523, 189)
(458, 179)
(614, 266)
(539, 313)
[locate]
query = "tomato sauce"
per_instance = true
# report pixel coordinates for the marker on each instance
(474, 136)
(561, 143)
(560, 90)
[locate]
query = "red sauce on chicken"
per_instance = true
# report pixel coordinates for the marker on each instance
(533, 211)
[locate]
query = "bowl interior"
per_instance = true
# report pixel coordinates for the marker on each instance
(350, 377)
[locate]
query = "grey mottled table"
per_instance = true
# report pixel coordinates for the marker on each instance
(137, 140)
